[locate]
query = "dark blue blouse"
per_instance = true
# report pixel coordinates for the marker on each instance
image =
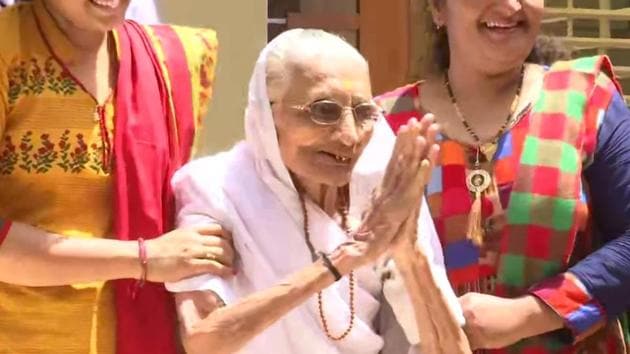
(606, 272)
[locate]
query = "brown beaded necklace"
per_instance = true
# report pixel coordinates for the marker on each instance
(343, 211)
(478, 179)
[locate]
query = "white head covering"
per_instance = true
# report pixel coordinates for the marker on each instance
(261, 135)
(248, 190)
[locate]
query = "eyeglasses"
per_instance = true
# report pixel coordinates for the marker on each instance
(328, 112)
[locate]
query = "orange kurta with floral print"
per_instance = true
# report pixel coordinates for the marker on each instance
(55, 153)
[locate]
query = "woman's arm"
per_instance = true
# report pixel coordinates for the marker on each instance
(606, 273)
(32, 257)
(417, 282)
(205, 324)
(597, 288)
(437, 325)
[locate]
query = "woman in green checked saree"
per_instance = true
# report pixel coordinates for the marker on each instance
(530, 197)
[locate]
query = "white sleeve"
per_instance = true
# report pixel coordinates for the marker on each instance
(143, 11)
(394, 287)
(221, 287)
(196, 205)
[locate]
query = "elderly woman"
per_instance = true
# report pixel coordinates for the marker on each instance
(297, 196)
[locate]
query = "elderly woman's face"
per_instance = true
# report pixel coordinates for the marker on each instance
(89, 15)
(493, 34)
(315, 153)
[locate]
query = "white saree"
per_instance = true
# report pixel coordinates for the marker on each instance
(249, 192)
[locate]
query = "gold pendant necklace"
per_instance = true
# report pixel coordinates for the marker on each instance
(478, 180)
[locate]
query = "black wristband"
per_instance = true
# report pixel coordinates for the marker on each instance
(330, 266)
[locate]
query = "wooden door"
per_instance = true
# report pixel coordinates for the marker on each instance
(394, 34)
(380, 29)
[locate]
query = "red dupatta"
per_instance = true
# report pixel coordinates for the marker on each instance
(154, 131)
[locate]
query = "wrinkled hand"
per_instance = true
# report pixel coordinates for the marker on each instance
(494, 322)
(415, 153)
(184, 253)
(402, 188)
(435, 322)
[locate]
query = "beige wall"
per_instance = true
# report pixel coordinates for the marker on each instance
(242, 29)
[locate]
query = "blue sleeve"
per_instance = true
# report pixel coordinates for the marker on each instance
(606, 272)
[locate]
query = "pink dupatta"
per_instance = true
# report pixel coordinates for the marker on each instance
(154, 132)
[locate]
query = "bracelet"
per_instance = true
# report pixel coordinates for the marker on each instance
(330, 266)
(5, 226)
(142, 256)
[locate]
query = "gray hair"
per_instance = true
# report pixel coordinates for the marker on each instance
(292, 47)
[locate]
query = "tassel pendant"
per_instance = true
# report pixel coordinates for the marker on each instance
(477, 181)
(475, 231)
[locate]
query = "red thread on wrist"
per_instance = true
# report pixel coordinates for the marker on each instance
(142, 257)
(5, 226)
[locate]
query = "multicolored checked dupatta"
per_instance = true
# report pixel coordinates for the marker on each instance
(536, 214)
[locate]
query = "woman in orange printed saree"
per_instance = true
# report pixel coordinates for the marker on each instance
(93, 123)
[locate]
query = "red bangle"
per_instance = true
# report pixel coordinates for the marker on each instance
(142, 255)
